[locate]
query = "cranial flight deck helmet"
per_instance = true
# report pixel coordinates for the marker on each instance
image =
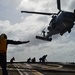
(3, 36)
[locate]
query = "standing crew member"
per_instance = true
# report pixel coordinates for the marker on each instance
(3, 50)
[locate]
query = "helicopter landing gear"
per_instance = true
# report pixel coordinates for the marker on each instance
(62, 33)
(50, 39)
(69, 30)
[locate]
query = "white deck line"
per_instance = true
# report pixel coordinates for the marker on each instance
(26, 73)
(21, 73)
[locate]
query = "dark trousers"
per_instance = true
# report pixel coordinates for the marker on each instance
(3, 64)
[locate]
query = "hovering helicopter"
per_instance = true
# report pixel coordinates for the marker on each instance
(60, 23)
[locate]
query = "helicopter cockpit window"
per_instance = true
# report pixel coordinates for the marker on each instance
(53, 19)
(52, 22)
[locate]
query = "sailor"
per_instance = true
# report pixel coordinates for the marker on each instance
(3, 50)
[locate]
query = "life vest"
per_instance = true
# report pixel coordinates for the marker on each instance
(3, 45)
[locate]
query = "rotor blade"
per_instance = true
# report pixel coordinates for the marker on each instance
(58, 4)
(42, 13)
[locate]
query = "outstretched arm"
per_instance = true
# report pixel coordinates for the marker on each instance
(24, 42)
(16, 42)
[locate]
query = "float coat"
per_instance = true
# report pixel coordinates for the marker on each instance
(3, 45)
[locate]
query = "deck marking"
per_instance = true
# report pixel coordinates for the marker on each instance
(21, 73)
(26, 73)
(18, 70)
(37, 73)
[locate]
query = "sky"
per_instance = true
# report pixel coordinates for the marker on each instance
(23, 27)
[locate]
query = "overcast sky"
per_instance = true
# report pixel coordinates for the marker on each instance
(23, 27)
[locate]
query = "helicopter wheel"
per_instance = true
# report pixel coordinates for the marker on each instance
(61, 34)
(69, 30)
(50, 39)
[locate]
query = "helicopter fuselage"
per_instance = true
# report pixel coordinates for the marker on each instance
(61, 23)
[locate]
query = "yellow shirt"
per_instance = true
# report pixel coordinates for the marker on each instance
(3, 45)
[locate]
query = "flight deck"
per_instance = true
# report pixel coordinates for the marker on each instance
(40, 69)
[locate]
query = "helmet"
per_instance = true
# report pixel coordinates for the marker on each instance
(3, 36)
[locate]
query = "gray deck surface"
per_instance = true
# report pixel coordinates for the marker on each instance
(39, 69)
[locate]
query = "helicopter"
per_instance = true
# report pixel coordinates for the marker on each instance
(61, 22)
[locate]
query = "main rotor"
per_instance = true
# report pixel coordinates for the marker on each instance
(43, 13)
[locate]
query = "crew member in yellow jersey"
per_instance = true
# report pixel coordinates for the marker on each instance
(3, 50)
